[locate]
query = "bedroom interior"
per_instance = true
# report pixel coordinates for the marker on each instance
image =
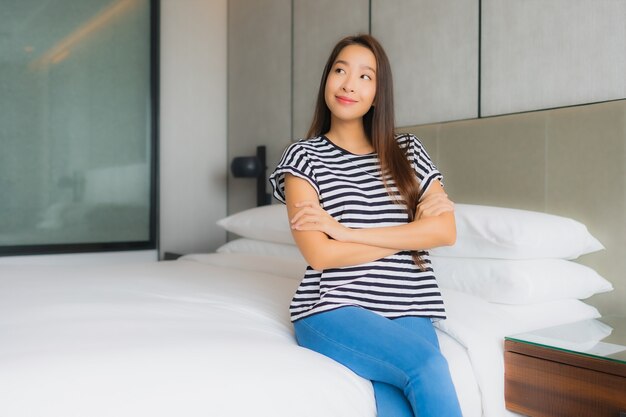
(519, 103)
(517, 106)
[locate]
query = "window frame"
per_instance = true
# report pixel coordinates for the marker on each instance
(118, 246)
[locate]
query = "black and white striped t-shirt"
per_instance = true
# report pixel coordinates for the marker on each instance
(351, 190)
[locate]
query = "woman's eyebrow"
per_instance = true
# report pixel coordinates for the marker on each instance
(369, 68)
(341, 61)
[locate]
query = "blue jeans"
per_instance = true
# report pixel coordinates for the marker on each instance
(400, 356)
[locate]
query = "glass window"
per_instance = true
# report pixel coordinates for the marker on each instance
(76, 126)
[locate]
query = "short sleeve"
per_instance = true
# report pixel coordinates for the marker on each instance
(424, 167)
(296, 161)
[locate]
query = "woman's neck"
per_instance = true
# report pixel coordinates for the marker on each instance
(351, 137)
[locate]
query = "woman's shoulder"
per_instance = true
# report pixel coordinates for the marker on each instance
(309, 146)
(408, 140)
(309, 142)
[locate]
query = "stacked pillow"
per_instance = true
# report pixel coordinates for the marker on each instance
(506, 233)
(265, 223)
(513, 256)
(502, 255)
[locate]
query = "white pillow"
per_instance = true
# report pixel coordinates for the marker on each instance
(259, 247)
(482, 232)
(506, 233)
(519, 281)
(554, 313)
(267, 223)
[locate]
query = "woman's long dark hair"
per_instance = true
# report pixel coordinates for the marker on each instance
(378, 123)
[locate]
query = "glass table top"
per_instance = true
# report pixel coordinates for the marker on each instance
(603, 338)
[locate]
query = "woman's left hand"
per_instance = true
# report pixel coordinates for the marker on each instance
(433, 204)
(312, 216)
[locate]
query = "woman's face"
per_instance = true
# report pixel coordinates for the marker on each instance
(351, 84)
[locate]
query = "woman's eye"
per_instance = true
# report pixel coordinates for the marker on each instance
(366, 77)
(339, 71)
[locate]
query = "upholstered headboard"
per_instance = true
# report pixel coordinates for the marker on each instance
(568, 161)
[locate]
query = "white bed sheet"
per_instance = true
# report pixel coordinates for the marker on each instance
(161, 339)
(208, 335)
(455, 353)
(471, 338)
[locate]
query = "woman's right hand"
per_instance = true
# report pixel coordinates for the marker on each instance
(319, 250)
(311, 216)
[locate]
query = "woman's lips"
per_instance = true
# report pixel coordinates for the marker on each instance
(345, 100)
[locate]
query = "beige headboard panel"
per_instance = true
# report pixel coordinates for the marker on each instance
(569, 161)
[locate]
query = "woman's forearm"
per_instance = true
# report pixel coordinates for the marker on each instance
(320, 250)
(434, 224)
(366, 245)
(425, 233)
(329, 253)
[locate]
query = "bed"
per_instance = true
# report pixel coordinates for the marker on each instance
(209, 334)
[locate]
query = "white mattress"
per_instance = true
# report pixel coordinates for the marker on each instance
(207, 335)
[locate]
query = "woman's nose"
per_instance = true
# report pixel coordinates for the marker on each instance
(347, 87)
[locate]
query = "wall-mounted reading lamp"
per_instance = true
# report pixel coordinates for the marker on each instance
(253, 167)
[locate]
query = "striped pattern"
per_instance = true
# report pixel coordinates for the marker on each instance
(351, 189)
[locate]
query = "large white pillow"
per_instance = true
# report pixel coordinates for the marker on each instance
(260, 247)
(519, 281)
(554, 313)
(267, 223)
(506, 233)
(482, 232)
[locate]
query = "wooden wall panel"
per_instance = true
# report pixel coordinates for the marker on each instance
(259, 87)
(433, 48)
(539, 54)
(317, 26)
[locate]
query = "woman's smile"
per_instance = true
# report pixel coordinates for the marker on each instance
(345, 100)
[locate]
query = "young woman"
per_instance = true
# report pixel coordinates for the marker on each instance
(364, 205)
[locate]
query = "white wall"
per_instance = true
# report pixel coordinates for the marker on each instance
(193, 124)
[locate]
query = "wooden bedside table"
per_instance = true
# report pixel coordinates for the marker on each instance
(577, 369)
